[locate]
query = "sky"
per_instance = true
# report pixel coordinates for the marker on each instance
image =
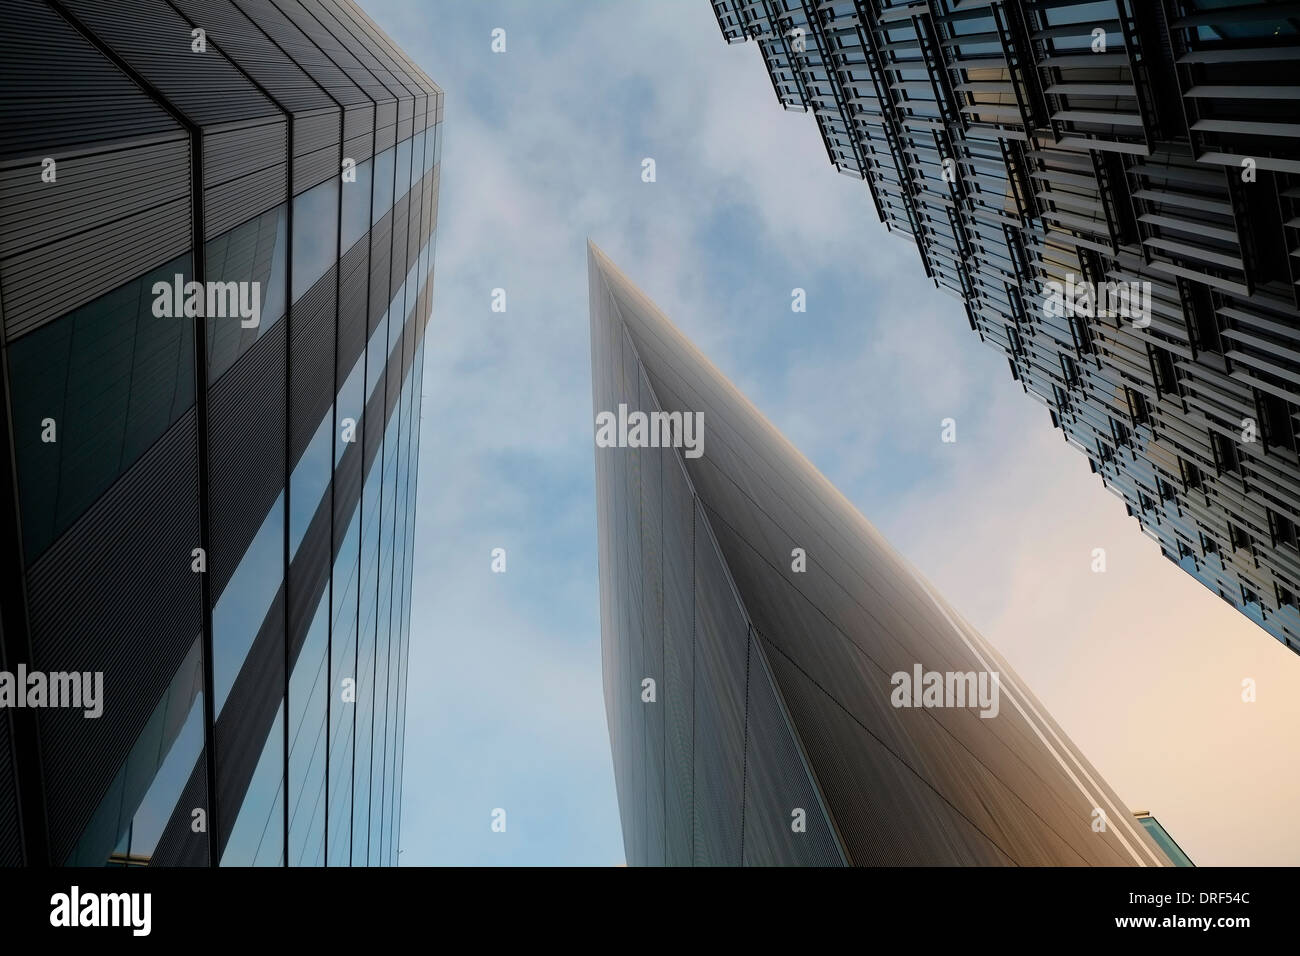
(543, 148)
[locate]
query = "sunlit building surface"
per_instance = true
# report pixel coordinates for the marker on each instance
(756, 632)
(1025, 142)
(210, 504)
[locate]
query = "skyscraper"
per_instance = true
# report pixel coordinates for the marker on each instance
(781, 686)
(217, 223)
(1129, 148)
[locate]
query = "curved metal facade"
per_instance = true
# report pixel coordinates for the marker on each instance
(772, 696)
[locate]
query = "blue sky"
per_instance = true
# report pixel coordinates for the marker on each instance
(543, 148)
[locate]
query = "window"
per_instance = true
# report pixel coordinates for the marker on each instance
(1202, 322)
(1013, 339)
(308, 689)
(403, 169)
(376, 353)
(1137, 406)
(138, 805)
(1070, 371)
(1119, 431)
(1284, 530)
(1237, 538)
(256, 252)
(343, 662)
(349, 404)
(417, 160)
(1225, 453)
(105, 382)
(315, 234)
(1165, 373)
(242, 606)
(383, 188)
(257, 837)
(309, 482)
(1279, 421)
(1208, 544)
(432, 146)
(356, 206)
(166, 788)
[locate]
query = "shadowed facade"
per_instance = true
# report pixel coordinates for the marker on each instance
(215, 514)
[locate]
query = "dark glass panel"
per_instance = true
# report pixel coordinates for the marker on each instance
(104, 382)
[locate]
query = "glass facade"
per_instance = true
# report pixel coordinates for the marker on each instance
(1024, 147)
(753, 630)
(1164, 840)
(213, 484)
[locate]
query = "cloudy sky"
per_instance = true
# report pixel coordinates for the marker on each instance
(543, 148)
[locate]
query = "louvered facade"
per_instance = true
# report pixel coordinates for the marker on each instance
(214, 510)
(1025, 142)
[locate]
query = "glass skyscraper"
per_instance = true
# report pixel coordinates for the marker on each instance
(217, 224)
(758, 635)
(1149, 147)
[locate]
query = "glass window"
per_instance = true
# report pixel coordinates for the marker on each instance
(383, 191)
(430, 147)
(242, 607)
(309, 482)
(365, 708)
(91, 391)
(371, 519)
(257, 838)
(173, 774)
(390, 557)
(341, 714)
(135, 810)
(349, 402)
(403, 169)
(395, 305)
(395, 333)
(376, 352)
(412, 280)
(379, 765)
(356, 206)
(417, 160)
(257, 253)
(308, 692)
(315, 234)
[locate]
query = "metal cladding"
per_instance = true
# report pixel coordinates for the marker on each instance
(217, 222)
(757, 637)
(1146, 148)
